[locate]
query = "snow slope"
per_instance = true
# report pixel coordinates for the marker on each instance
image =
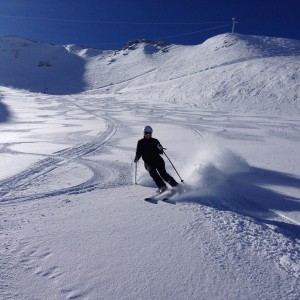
(254, 72)
(72, 223)
(39, 67)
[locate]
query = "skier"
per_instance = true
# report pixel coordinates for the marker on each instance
(150, 149)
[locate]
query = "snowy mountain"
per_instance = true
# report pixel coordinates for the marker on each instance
(228, 69)
(39, 67)
(73, 223)
(244, 72)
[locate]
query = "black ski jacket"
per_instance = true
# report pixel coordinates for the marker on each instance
(148, 149)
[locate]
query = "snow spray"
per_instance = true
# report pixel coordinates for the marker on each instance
(210, 168)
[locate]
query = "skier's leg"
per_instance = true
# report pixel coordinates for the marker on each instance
(163, 173)
(155, 176)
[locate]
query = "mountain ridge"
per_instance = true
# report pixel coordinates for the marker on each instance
(226, 70)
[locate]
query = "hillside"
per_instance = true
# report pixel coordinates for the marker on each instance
(39, 67)
(73, 220)
(243, 72)
(227, 71)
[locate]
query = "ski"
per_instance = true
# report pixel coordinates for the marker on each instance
(167, 200)
(164, 196)
(155, 201)
(151, 200)
(154, 198)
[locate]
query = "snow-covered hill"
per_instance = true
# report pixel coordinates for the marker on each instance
(39, 67)
(243, 72)
(73, 225)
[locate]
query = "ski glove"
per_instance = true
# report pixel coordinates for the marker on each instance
(136, 160)
(160, 147)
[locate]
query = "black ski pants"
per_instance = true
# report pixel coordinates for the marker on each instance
(157, 171)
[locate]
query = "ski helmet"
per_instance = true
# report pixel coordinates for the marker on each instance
(148, 129)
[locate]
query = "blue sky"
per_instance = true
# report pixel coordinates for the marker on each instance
(110, 24)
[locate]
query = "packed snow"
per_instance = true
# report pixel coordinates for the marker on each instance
(74, 225)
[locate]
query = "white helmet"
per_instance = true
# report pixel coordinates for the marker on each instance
(148, 129)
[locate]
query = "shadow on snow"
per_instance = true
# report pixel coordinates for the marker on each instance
(247, 195)
(4, 113)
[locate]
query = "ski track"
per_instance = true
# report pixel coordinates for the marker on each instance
(104, 176)
(231, 228)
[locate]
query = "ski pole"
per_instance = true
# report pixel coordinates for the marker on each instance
(172, 164)
(135, 174)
